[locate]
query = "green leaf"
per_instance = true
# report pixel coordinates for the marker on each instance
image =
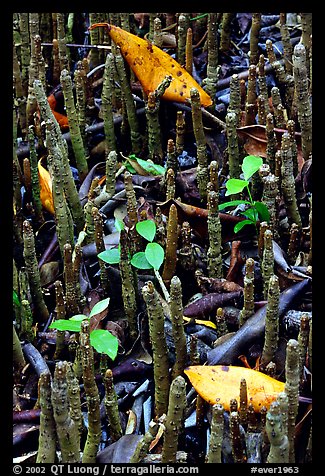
(99, 307)
(129, 167)
(147, 229)
(150, 167)
(241, 225)
(78, 317)
(119, 224)
(262, 211)
(251, 214)
(235, 186)
(155, 254)
(66, 325)
(250, 165)
(233, 203)
(104, 342)
(110, 256)
(140, 261)
(15, 298)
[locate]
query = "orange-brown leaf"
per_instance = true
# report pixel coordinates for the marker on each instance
(221, 383)
(45, 188)
(150, 64)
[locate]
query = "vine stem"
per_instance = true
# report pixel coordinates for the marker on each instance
(253, 206)
(162, 285)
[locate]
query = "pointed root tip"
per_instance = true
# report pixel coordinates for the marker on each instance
(97, 25)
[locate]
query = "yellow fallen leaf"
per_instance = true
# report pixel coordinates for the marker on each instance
(203, 323)
(221, 383)
(45, 181)
(151, 65)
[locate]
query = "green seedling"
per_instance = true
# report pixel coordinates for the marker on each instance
(102, 340)
(152, 258)
(256, 210)
(15, 298)
(135, 165)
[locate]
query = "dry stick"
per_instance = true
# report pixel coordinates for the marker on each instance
(33, 272)
(202, 167)
(214, 231)
(46, 452)
(292, 374)
(174, 420)
(302, 97)
(171, 246)
(92, 395)
(111, 407)
(248, 309)
(279, 449)
(211, 80)
(271, 322)
(159, 348)
(254, 37)
(66, 428)
(176, 316)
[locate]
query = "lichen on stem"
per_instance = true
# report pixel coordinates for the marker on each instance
(33, 272)
(202, 167)
(66, 427)
(111, 407)
(176, 316)
(248, 309)
(92, 395)
(174, 420)
(159, 348)
(267, 266)
(46, 451)
(214, 231)
(171, 246)
(279, 451)
(292, 380)
(271, 322)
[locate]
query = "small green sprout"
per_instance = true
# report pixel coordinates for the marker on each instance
(256, 210)
(102, 340)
